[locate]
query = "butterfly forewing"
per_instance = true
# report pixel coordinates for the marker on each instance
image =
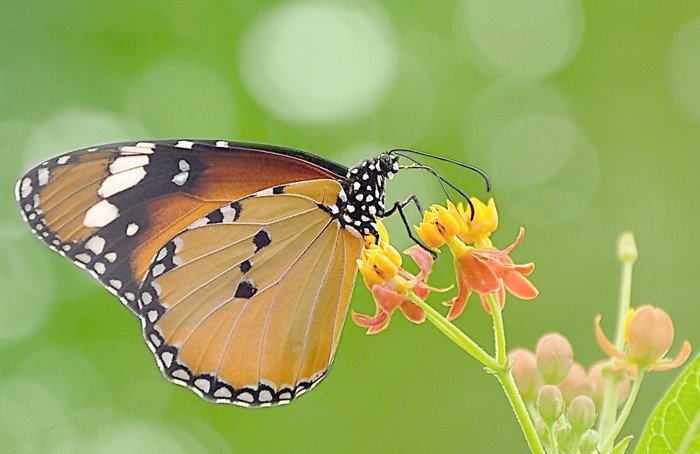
(110, 209)
(247, 308)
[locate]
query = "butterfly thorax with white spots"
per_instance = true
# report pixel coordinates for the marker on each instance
(361, 202)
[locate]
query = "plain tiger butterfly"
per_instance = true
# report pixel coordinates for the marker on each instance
(238, 258)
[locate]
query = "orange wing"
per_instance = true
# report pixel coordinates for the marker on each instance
(111, 208)
(248, 308)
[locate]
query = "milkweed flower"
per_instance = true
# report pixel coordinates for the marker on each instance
(480, 268)
(649, 335)
(390, 284)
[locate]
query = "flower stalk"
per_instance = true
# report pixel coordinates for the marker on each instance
(627, 253)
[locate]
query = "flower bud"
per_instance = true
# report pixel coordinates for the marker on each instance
(596, 375)
(550, 403)
(649, 334)
(627, 248)
(575, 384)
(581, 414)
(554, 357)
(525, 373)
(589, 442)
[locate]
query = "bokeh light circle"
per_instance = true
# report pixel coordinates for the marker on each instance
(319, 62)
(532, 149)
(532, 38)
(685, 68)
(76, 128)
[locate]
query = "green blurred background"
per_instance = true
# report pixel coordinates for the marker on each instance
(586, 115)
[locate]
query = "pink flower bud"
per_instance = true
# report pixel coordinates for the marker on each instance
(554, 357)
(575, 384)
(550, 403)
(581, 414)
(596, 375)
(649, 334)
(525, 373)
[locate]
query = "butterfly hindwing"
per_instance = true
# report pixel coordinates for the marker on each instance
(110, 209)
(246, 305)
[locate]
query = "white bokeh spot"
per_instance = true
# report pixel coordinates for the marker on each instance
(76, 128)
(319, 62)
(685, 68)
(532, 38)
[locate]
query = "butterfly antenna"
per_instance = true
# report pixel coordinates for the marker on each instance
(441, 179)
(483, 174)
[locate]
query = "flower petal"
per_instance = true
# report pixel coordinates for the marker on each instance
(387, 299)
(422, 258)
(412, 311)
(375, 324)
(605, 345)
(480, 277)
(677, 361)
(459, 302)
(520, 286)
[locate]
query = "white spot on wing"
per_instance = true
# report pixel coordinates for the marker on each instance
(123, 163)
(202, 384)
(121, 181)
(184, 144)
(158, 270)
(43, 176)
(26, 187)
(183, 165)
(221, 143)
(131, 229)
(100, 214)
(116, 283)
(223, 393)
(167, 358)
(95, 244)
(111, 256)
(62, 160)
(99, 268)
(181, 178)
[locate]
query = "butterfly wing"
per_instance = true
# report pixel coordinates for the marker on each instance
(111, 208)
(247, 306)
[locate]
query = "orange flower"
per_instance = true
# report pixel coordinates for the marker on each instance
(649, 335)
(481, 268)
(488, 270)
(380, 267)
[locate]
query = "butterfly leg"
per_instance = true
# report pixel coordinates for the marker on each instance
(399, 206)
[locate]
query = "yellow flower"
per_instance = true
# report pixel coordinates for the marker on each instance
(481, 268)
(478, 229)
(380, 266)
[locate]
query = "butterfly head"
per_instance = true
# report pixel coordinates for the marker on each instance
(361, 202)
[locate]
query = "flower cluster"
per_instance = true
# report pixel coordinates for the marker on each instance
(563, 398)
(480, 267)
(380, 267)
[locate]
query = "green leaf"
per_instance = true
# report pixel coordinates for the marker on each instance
(622, 445)
(674, 425)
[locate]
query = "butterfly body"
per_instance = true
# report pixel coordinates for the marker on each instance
(238, 258)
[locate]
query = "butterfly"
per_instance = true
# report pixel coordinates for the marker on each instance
(238, 258)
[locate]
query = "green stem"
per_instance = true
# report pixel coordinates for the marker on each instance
(516, 402)
(609, 440)
(455, 334)
(498, 328)
(500, 369)
(610, 393)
